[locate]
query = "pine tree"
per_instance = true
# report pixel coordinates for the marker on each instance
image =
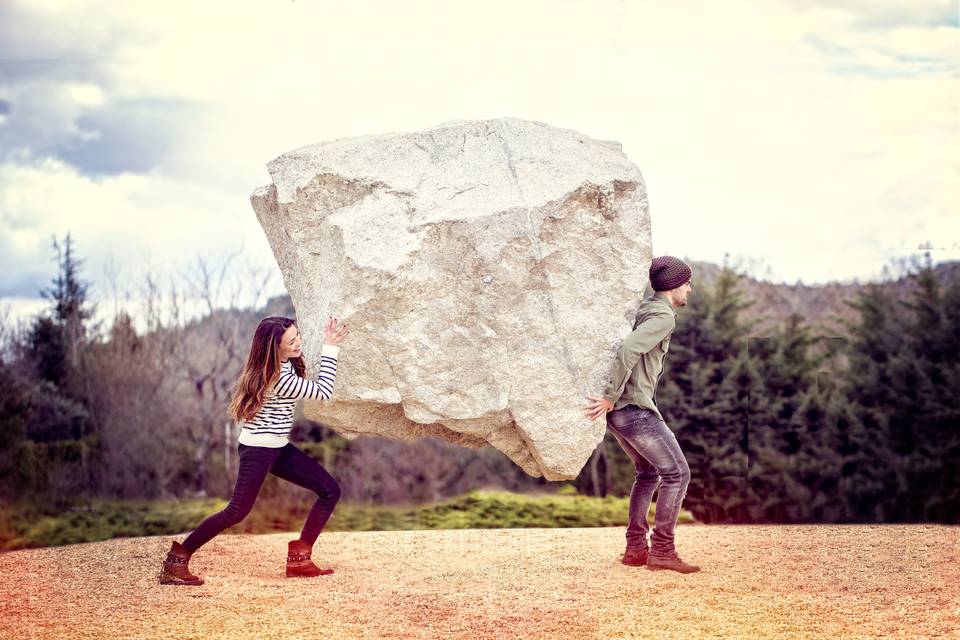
(13, 404)
(744, 419)
(796, 472)
(68, 293)
(871, 383)
(931, 335)
(704, 349)
(944, 504)
(904, 380)
(47, 351)
(53, 344)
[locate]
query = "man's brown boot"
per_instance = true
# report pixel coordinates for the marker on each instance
(671, 562)
(299, 564)
(175, 569)
(635, 557)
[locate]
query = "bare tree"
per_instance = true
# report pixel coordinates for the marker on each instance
(129, 393)
(205, 355)
(160, 398)
(6, 333)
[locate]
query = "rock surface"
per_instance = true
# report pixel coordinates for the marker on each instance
(487, 269)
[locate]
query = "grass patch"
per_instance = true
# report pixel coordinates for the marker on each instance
(23, 526)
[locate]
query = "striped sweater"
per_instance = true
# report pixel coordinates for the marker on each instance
(271, 426)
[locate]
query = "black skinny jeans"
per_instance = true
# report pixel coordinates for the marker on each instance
(286, 462)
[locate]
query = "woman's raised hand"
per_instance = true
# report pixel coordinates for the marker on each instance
(334, 332)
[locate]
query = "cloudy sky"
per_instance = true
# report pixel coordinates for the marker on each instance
(814, 140)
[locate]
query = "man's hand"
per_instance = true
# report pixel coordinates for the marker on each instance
(334, 333)
(597, 408)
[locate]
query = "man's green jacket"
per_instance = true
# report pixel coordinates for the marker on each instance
(639, 362)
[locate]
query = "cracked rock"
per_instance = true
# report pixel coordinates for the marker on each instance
(487, 269)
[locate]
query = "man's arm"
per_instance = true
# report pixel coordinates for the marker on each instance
(644, 338)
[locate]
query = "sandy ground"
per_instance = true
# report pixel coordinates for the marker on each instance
(757, 581)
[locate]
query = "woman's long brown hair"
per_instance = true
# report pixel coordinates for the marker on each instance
(262, 368)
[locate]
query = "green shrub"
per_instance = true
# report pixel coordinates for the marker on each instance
(24, 526)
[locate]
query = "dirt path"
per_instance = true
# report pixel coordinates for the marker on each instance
(758, 581)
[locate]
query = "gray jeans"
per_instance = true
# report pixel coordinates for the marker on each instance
(658, 460)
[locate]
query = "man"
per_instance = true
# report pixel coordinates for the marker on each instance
(635, 421)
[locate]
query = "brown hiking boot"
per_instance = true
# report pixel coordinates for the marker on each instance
(635, 557)
(299, 564)
(175, 569)
(671, 561)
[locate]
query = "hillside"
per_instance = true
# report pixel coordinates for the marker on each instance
(824, 307)
(757, 582)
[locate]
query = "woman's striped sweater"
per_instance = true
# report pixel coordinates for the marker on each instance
(271, 426)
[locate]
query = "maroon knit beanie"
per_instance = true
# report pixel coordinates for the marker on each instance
(667, 272)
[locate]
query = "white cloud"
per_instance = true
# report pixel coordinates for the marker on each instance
(818, 138)
(88, 95)
(124, 227)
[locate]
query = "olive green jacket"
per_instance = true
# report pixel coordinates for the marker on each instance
(639, 362)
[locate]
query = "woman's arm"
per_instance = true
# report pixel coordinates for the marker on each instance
(290, 385)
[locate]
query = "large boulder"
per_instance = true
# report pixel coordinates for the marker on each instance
(487, 270)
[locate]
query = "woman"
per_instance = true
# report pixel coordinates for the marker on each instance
(270, 385)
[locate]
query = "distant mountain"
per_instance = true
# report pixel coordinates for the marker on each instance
(823, 307)
(280, 305)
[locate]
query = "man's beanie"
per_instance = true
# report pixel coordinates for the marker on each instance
(667, 272)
